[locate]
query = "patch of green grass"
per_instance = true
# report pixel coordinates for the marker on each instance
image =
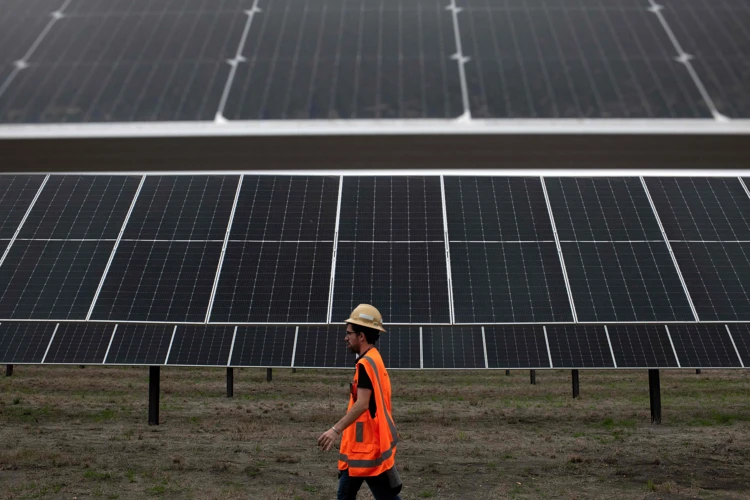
(156, 490)
(310, 489)
(130, 475)
(650, 486)
(426, 494)
(97, 476)
(104, 415)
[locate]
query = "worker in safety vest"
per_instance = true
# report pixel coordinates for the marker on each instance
(368, 448)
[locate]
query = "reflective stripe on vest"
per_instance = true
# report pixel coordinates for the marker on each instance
(394, 434)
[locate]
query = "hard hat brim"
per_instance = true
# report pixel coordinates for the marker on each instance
(363, 323)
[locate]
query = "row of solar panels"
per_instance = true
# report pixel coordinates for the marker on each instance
(426, 250)
(447, 347)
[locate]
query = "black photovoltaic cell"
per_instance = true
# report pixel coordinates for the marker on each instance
(274, 283)
(701, 208)
(516, 346)
(21, 22)
(741, 336)
(641, 346)
(496, 208)
(579, 346)
(51, 279)
(16, 194)
(557, 59)
(127, 61)
(3, 245)
(508, 283)
(183, 207)
(24, 342)
(323, 347)
(391, 209)
(625, 282)
(453, 347)
(80, 343)
(715, 33)
(703, 346)
(140, 344)
(601, 208)
(201, 345)
(286, 208)
(407, 282)
(717, 276)
(263, 346)
(348, 59)
(399, 347)
(81, 206)
(169, 281)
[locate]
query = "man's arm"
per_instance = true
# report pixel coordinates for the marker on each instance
(328, 438)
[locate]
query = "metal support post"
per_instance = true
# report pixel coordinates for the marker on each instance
(269, 375)
(507, 373)
(154, 373)
(655, 393)
(230, 382)
(698, 371)
(532, 374)
(576, 388)
(8, 370)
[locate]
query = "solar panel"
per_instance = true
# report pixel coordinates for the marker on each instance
(263, 346)
(158, 281)
(348, 59)
(579, 346)
(508, 283)
(701, 208)
(625, 282)
(715, 34)
(183, 207)
(16, 194)
(24, 342)
(79, 343)
(516, 346)
(406, 281)
(42, 279)
(322, 347)
(201, 346)
(400, 347)
(741, 335)
(453, 347)
(703, 346)
(80, 206)
(138, 344)
(601, 209)
(554, 59)
(641, 346)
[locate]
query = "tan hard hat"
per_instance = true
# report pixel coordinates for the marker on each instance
(366, 315)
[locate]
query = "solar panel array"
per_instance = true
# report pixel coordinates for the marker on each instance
(164, 60)
(469, 272)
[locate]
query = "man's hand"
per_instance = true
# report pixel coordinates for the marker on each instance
(327, 439)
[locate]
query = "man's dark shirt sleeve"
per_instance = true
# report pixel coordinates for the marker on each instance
(364, 382)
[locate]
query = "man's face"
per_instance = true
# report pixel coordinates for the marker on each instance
(352, 340)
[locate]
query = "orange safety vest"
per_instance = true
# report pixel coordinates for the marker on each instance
(368, 448)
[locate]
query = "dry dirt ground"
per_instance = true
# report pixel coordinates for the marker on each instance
(67, 432)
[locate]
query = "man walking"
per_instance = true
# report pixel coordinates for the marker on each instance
(368, 448)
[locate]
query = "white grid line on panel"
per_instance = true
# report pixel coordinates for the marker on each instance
(23, 63)
(559, 252)
(114, 249)
(461, 60)
(111, 339)
(23, 221)
(609, 342)
(294, 347)
(329, 315)
(685, 58)
(736, 351)
(231, 348)
(50, 342)
(223, 250)
(549, 351)
(671, 253)
(484, 347)
(674, 351)
(421, 349)
(169, 350)
(451, 309)
(233, 63)
(744, 186)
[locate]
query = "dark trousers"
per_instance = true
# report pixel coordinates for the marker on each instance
(349, 486)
